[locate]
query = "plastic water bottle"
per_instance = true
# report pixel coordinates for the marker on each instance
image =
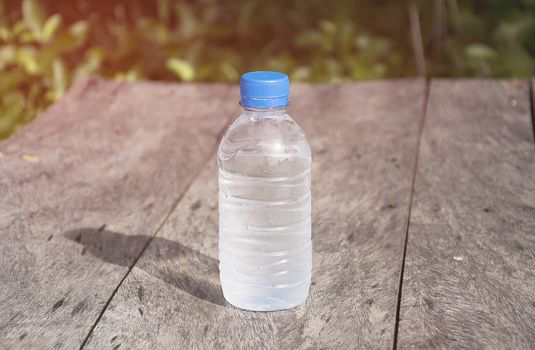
(265, 248)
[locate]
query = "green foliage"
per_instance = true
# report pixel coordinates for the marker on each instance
(33, 73)
(181, 68)
(211, 40)
(488, 39)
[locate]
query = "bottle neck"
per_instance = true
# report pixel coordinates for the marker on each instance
(265, 112)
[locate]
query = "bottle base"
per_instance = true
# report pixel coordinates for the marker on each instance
(259, 297)
(265, 304)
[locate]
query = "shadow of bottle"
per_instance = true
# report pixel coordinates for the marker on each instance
(170, 261)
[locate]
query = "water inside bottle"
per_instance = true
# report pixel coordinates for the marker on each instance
(264, 223)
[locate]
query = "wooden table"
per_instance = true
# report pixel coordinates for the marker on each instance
(423, 219)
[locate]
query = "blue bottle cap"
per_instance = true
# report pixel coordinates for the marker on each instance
(264, 90)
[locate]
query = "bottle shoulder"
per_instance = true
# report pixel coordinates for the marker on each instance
(264, 143)
(280, 125)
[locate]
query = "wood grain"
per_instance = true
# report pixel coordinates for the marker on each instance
(364, 139)
(469, 277)
(108, 156)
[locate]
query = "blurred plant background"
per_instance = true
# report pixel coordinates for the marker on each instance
(46, 45)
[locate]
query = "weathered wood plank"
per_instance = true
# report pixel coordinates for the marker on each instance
(364, 139)
(532, 95)
(108, 156)
(469, 278)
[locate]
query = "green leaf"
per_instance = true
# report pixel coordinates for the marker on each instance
(328, 27)
(33, 16)
(91, 63)
(7, 55)
(79, 30)
(480, 51)
(362, 42)
(27, 57)
(27, 37)
(372, 48)
(153, 30)
(73, 38)
(131, 75)
(19, 27)
(229, 71)
(13, 105)
(59, 74)
(183, 69)
(301, 73)
(50, 27)
(361, 70)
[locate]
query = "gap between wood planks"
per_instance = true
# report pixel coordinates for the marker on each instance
(413, 182)
(196, 174)
(531, 82)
